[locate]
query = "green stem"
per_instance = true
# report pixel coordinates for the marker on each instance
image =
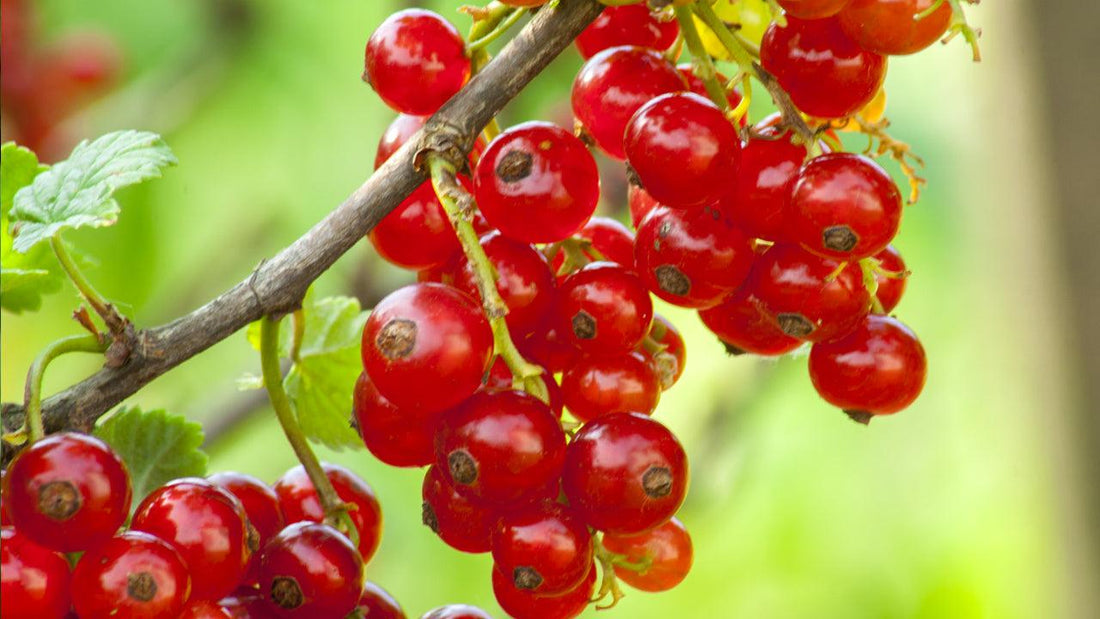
(336, 511)
(500, 28)
(459, 205)
(114, 321)
(32, 394)
(959, 25)
(868, 267)
(298, 324)
(608, 562)
(704, 66)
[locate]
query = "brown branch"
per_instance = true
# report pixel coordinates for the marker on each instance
(277, 285)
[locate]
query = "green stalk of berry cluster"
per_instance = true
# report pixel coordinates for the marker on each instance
(115, 323)
(32, 394)
(336, 510)
(459, 205)
(609, 585)
(490, 21)
(700, 59)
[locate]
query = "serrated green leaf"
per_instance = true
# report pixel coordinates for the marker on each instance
(18, 167)
(24, 278)
(79, 191)
(156, 446)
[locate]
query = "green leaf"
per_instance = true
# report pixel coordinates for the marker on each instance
(79, 191)
(18, 167)
(156, 446)
(24, 278)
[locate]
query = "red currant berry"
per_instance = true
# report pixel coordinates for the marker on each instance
(623, 383)
(456, 611)
(625, 474)
(812, 9)
(891, 27)
(415, 61)
(549, 347)
(614, 241)
(521, 604)
(500, 378)
(537, 183)
(890, 276)
(205, 609)
(631, 24)
(670, 361)
(524, 281)
(261, 507)
(769, 168)
(310, 570)
(844, 206)
(611, 87)
(877, 369)
(67, 492)
(377, 603)
(743, 327)
(545, 548)
(417, 234)
(132, 575)
(207, 526)
(604, 309)
(34, 581)
(825, 72)
(695, 84)
(683, 150)
(667, 549)
(426, 347)
(394, 437)
(397, 133)
(300, 502)
(500, 447)
(809, 297)
(641, 203)
(246, 603)
(691, 258)
(462, 524)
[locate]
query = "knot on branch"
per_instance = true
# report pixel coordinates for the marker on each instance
(446, 140)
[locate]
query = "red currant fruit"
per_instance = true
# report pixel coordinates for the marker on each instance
(5, 519)
(394, 437)
(604, 309)
(668, 550)
(132, 575)
(261, 507)
(641, 203)
(741, 325)
(207, 526)
(397, 133)
(812, 9)
(631, 24)
(809, 297)
(891, 27)
(769, 168)
(246, 603)
(611, 87)
(67, 492)
(844, 206)
(417, 234)
(500, 378)
(34, 581)
(614, 241)
(695, 84)
(462, 524)
(890, 276)
(623, 383)
(415, 61)
(877, 369)
(683, 150)
(670, 361)
(545, 548)
(205, 609)
(625, 474)
(825, 72)
(549, 346)
(500, 446)
(377, 603)
(300, 502)
(537, 183)
(691, 258)
(310, 570)
(426, 347)
(456, 611)
(521, 604)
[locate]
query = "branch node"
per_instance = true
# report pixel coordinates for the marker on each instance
(444, 139)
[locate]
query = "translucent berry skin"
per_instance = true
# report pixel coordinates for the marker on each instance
(500, 447)
(67, 492)
(844, 206)
(612, 239)
(794, 288)
(132, 575)
(524, 281)
(391, 434)
(890, 288)
(888, 26)
(205, 609)
(415, 61)
(246, 603)
(769, 168)
(691, 258)
(812, 9)
(598, 386)
(743, 327)
(5, 519)
(546, 549)
(612, 85)
(526, 605)
(310, 570)
(417, 234)
(670, 362)
(426, 335)
(825, 72)
(631, 24)
(549, 346)
(300, 502)
(261, 507)
(604, 309)
(683, 150)
(34, 581)
(879, 368)
(456, 611)
(461, 523)
(377, 603)
(641, 203)
(625, 474)
(397, 133)
(669, 549)
(207, 526)
(537, 183)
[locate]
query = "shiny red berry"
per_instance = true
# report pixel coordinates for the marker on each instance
(670, 361)
(500, 378)
(456, 611)
(205, 609)
(613, 240)
(611, 87)
(877, 369)
(417, 234)
(545, 548)
(521, 604)
(667, 549)
(67, 492)
(132, 575)
(769, 168)
(891, 276)
(549, 346)
(604, 309)
(460, 522)
(426, 347)
(377, 603)
(415, 61)
(891, 27)
(641, 203)
(625, 474)
(310, 570)
(812, 9)
(696, 85)
(602, 385)
(34, 581)
(397, 133)
(261, 507)
(537, 183)
(743, 327)
(300, 502)
(631, 24)
(392, 435)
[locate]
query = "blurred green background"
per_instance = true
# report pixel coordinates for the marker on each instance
(956, 507)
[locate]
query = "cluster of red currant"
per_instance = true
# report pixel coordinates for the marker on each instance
(225, 546)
